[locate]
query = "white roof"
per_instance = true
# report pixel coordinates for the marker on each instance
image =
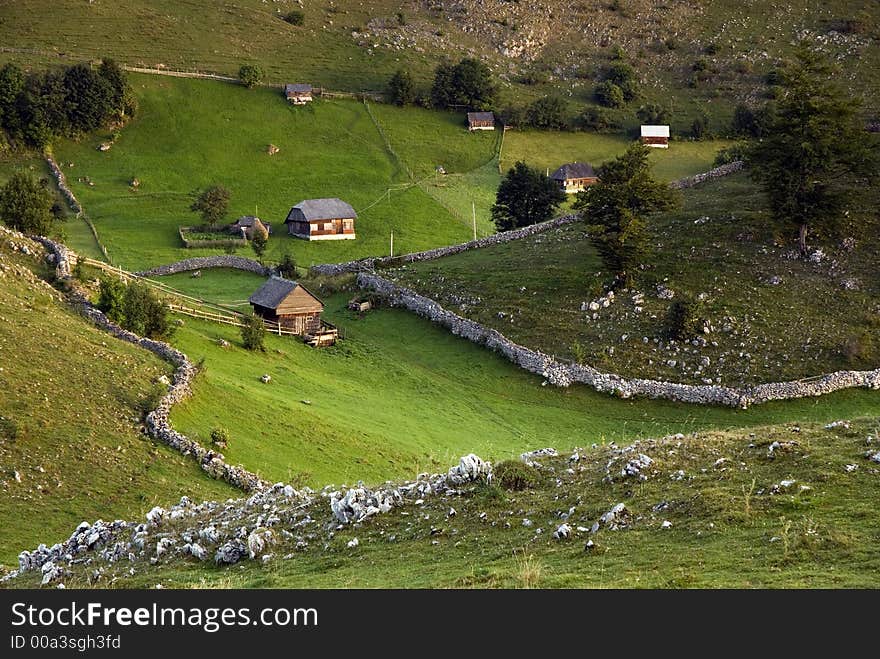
(655, 131)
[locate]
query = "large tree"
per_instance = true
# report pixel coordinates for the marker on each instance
(467, 84)
(815, 158)
(26, 205)
(526, 196)
(401, 89)
(89, 97)
(616, 210)
(11, 84)
(212, 204)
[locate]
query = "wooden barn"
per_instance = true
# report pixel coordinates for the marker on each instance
(290, 305)
(656, 137)
(574, 177)
(298, 93)
(244, 226)
(481, 121)
(322, 219)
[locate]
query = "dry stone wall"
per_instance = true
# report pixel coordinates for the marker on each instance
(696, 179)
(203, 262)
(564, 374)
(157, 422)
(61, 181)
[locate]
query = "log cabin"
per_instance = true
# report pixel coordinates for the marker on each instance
(481, 121)
(322, 219)
(656, 137)
(298, 94)
(289, 304)
(574, 177)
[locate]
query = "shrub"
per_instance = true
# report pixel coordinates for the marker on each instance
(253, 332)
(110, 299)
(401, 90)
(653, 113)
(150, 400)
(250, 75)
(26, 205)
(729, 154)
(609, 94)
(624, 76)
(547, 112)
(700, 127)
(516, 475)
(220, 437)
(8, 429)
(598, 119)
(295, 17)
(287, 266)
(512, 116)
(860, 350)
(700, 65)
(683, 320)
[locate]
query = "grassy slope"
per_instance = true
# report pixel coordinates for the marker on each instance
(399, 395)
(730, 257)
(73, 393)
(577, 43)
(191, 134)
(728, 528)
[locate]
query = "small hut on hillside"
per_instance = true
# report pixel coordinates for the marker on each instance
(481, 121)
(288, 303)
(656, 137)
(574, 176)
(322, 219)
(298, 93)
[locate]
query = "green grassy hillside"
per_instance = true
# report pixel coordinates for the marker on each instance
(357, 46)
(71, 406)
(721, 245)
(781, 507)
(399, 395)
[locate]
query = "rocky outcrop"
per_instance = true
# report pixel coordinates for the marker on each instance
(563, 374)
(203, 262)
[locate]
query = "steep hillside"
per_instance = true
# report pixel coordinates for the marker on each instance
(786, 506)
(769, 315)
(70, 441)
(533, 47)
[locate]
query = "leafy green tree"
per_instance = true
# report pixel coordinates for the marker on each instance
(700, 127)
(624, 76)
(287, 266)
(11, 84)
(25, 205)
(253, 332)
(598, 119)
(117, 80)
(467, 84)
(143, 312)
(250, 75)
(653, 114)
(616, 210)
(609, 95)
(547, 112)
(212, 204)
(401, 89)
(259, 240)
(816, 159)
(89, 97)
(526, 196)
(111, 299)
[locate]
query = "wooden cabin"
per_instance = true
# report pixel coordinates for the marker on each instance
(290, 305)
(298, 93)
(244, 226)
(481, 121)
(656, 137)
(322, 219)
(574, 177)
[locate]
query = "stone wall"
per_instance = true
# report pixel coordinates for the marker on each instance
(696, 179)
(157, 422)
(563, 374)
(61, 181)
(495, 239)
(203, 262)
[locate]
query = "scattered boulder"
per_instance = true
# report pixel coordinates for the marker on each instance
(230, 552)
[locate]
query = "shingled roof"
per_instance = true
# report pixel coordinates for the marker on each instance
(321, 209)
(297, 88)
(273, 292)
(573, 170)
(480, 117)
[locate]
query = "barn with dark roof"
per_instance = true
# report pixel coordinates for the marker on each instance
(574, 176)
(290, 304)
(298, 93)
(322, 219)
